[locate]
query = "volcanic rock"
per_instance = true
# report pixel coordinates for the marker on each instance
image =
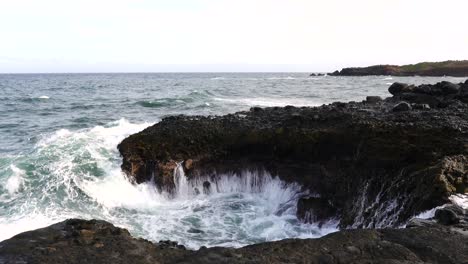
(377, 167)
(81, 241)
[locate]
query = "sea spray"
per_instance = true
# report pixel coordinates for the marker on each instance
(76, 174)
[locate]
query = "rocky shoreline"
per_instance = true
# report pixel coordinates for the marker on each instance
(446, 68)
(373, 164)
(441, 240)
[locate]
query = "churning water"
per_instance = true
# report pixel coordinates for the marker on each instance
(58, 156)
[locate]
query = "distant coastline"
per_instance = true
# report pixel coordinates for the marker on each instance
(436, 69)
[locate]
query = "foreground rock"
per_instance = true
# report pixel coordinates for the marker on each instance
(81, 241)
(446, 68)
(375, 163)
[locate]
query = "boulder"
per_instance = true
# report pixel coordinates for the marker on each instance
(373, 99)
(446, 88)
(401, 107)
(397, 88)
(423, 89)
(449, 215)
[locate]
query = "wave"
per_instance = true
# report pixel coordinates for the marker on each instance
(48, 188)
(195, 96)
(284, 78)
(77, 174)
(269, 102)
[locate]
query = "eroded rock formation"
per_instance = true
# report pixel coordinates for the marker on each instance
(373, 165)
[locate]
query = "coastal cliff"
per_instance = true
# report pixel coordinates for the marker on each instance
(375, 163)
(446, 68)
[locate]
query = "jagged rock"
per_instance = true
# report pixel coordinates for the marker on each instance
(81, 241)
(403, 106)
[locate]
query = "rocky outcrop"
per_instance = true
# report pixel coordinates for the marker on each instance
(372, 164)
(446, 68)
(81, 241)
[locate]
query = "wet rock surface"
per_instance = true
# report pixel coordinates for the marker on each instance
(82, 241)
(374, 166)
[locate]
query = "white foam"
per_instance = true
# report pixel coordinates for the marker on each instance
(109, 192)
(43, 97)
(460, 200)
(83, 179)
(269, 102)
(15, 181)
(10, 227)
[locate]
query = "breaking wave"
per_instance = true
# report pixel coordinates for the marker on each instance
(77, 174)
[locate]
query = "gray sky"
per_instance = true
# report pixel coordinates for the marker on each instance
(227, 35)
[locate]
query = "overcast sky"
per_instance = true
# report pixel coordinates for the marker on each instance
(227, 35)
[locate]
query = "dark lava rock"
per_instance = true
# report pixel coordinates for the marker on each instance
(403, 106)
(397, 88)
(373, 99)
(447, 88)
(421, 106)
(449, 215)
(81, 241)
(315, 210)
(363, 158)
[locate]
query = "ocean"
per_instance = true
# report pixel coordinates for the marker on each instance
(58, 155)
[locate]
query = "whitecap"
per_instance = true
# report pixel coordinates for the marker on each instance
(15, 181)
(269, 102)
(43, 97)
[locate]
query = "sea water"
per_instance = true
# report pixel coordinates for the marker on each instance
(58, 155)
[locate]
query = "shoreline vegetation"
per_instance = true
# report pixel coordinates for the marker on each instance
(432, 69)
(373, 165)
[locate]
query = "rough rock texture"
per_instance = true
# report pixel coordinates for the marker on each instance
(446, 68)
(373, 166)
(81, 241)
